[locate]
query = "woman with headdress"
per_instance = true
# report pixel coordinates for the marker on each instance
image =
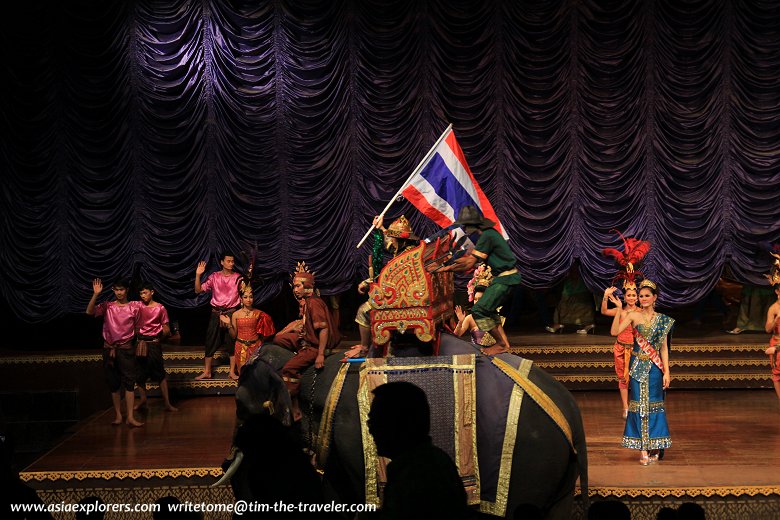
(646, 427)
(476, 288)
(250, 327)
(773, 325)
(633, 252)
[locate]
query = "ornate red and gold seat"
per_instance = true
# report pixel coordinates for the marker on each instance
(407, 296)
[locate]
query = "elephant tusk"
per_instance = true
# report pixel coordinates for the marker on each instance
(231, 470)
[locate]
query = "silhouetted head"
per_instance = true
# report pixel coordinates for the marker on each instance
(609, 510)
(690, 511)
(399, 417)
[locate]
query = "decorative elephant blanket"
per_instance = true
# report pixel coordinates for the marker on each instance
(475, 412)
(450, 385)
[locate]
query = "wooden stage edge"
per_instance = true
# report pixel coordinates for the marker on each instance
(724, 445)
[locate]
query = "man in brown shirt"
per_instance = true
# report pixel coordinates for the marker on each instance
(309, 337)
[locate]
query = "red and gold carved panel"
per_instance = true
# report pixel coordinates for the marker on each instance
(406, 296)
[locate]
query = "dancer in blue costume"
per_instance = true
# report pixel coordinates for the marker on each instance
(646, 427)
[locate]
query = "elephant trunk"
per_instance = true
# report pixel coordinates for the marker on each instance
(239, 457)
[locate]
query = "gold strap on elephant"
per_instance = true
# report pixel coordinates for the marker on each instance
(539, 397)
(322, 446)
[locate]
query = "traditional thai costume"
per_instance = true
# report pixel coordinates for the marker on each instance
(225, 299)
(646, 426)
(250, 331)
(149, 352)
(634, 250)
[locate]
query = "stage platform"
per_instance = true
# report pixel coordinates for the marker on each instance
(725, 455)
(723, 414)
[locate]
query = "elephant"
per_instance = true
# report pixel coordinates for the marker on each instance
(545, 465)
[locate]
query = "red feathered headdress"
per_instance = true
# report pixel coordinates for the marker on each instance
(634, 251)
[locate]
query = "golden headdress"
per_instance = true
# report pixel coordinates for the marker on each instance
(634, 250)
(483, 277)
(400, 228)
(648, 283)
(304, 275)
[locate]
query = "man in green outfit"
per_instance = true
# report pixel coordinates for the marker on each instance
(493, 250)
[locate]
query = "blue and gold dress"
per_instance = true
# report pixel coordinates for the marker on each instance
(646, 427)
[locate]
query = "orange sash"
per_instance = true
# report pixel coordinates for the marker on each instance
(649, 350)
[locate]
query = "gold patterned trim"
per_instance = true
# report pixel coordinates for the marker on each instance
(89, 358)
(369, 448)
(120, 474)
(709, 491)
(326, 421)
(675, 377)
(677, 363)
(196, 370)
(465, 393)
(608, 348)
(203, 383)
(538, 395)
(498, 508)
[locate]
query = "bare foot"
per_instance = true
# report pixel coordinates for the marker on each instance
(232, 376)
(170, 408)
(203, 375)
(117, 420)
(494, 350)
(139, 404)
(132, 422)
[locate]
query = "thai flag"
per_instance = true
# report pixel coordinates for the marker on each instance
(444, 184)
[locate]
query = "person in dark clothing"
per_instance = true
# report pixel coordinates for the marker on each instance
(422, 480)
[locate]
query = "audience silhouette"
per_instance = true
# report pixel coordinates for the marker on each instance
(422, 480)
(609, 510)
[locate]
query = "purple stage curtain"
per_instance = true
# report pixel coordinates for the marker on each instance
(145, 136)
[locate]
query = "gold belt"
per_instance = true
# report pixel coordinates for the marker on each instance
(624, 344)
(643, 357)
(507, 273)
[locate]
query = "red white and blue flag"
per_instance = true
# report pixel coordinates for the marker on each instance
(445, 184)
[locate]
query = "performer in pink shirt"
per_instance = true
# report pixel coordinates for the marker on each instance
(120, 319)
(153, 327)
(224, 301)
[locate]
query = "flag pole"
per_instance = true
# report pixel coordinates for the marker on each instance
(406, 183)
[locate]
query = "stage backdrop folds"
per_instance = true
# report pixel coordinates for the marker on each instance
(145, 136)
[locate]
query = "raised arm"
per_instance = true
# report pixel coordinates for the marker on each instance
(465, 322)
(604, 302)
(619, 326)
(198, 273)
(97, 288)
